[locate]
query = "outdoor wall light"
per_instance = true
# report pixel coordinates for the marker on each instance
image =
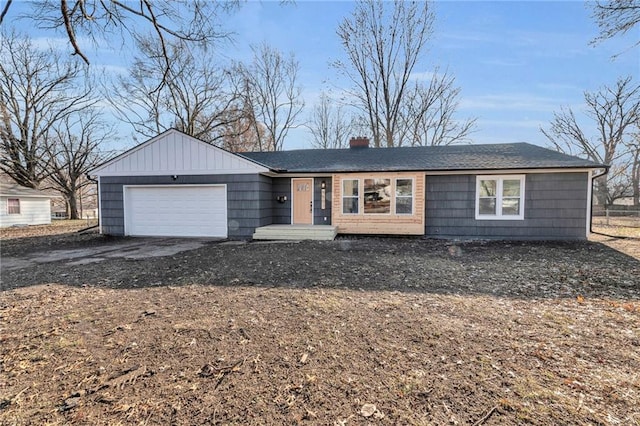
(174, 177)
(281, 198)
(323, 195)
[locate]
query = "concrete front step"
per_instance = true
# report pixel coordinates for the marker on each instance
(295, 232)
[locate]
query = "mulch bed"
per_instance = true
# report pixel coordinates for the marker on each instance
(354, 331)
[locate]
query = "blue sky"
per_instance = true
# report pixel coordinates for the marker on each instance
(516, 61)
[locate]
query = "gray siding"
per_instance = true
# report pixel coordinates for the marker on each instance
(282, 211)
(248, 200)
(322, 216)
(555, 208)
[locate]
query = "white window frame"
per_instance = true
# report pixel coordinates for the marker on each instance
(395, 196)
(499, 196)
(350, 196)
(9, 207)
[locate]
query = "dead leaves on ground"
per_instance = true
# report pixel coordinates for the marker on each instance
(185, 355)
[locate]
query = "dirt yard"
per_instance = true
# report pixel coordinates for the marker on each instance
(57, 227)
(353, 331)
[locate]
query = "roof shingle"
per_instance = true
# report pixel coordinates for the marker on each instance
(428, 158)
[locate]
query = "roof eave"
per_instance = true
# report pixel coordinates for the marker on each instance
(427, 170)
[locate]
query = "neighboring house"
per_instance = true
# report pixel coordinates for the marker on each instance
(176, 185)
(624, 201)
(86, 202)
(24, 206)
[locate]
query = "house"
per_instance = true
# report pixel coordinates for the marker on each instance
(176, 185)
(24, 206)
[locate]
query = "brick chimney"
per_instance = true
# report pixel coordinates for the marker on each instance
(359, 142)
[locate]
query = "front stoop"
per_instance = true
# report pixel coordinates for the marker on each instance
(296, 232)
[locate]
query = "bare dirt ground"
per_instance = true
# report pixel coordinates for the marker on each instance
(57, 227)
(622, 234)
(625, 226)
(353, 331)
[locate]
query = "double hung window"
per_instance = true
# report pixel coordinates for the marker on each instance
(13, 206)
(350, 197)
(500, 197)
(404, 196)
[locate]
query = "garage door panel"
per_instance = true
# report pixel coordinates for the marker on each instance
(198, 211)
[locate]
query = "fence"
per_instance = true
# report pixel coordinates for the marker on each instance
(617, 220)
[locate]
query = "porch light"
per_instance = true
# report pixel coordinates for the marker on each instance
(323, 185)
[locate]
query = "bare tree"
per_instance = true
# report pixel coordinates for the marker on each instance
(634, 148)
(615, 113)
(329, 124)
(191, 21)
(273, 96)
(73, 148)
(244, 135)
(197, 98)
(430, 115)
(616, 17)
(383, 49)
(38, 90)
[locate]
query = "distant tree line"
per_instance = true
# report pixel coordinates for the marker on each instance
(608, 129)
(53, 114)
(53, 125)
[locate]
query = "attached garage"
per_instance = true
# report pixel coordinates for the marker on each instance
(175, 185)
(176, 211)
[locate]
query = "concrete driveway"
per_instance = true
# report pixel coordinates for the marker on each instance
(135, 248)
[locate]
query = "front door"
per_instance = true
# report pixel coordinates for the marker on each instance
(302, 191)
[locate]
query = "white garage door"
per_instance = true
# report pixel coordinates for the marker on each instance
(176, 211)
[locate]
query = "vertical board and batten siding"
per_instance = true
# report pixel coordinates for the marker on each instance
(555, 207)
(248, 199)
(33, 211)
(382, 224)
(175, 153)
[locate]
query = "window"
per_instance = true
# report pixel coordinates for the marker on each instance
(377, 196)
(500, 197)
(404, 196)
(350, 198)
(13, 206)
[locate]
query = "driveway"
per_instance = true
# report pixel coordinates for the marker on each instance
(125, 248)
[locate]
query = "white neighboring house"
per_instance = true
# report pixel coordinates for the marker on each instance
(24, 206)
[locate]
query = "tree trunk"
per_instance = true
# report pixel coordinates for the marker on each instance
(389, 137)
(72, 202)
(635, 178)
(601, 191)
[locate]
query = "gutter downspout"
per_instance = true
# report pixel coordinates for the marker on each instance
(594, 177)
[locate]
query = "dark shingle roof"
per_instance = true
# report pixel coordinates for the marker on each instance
(427, 158)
